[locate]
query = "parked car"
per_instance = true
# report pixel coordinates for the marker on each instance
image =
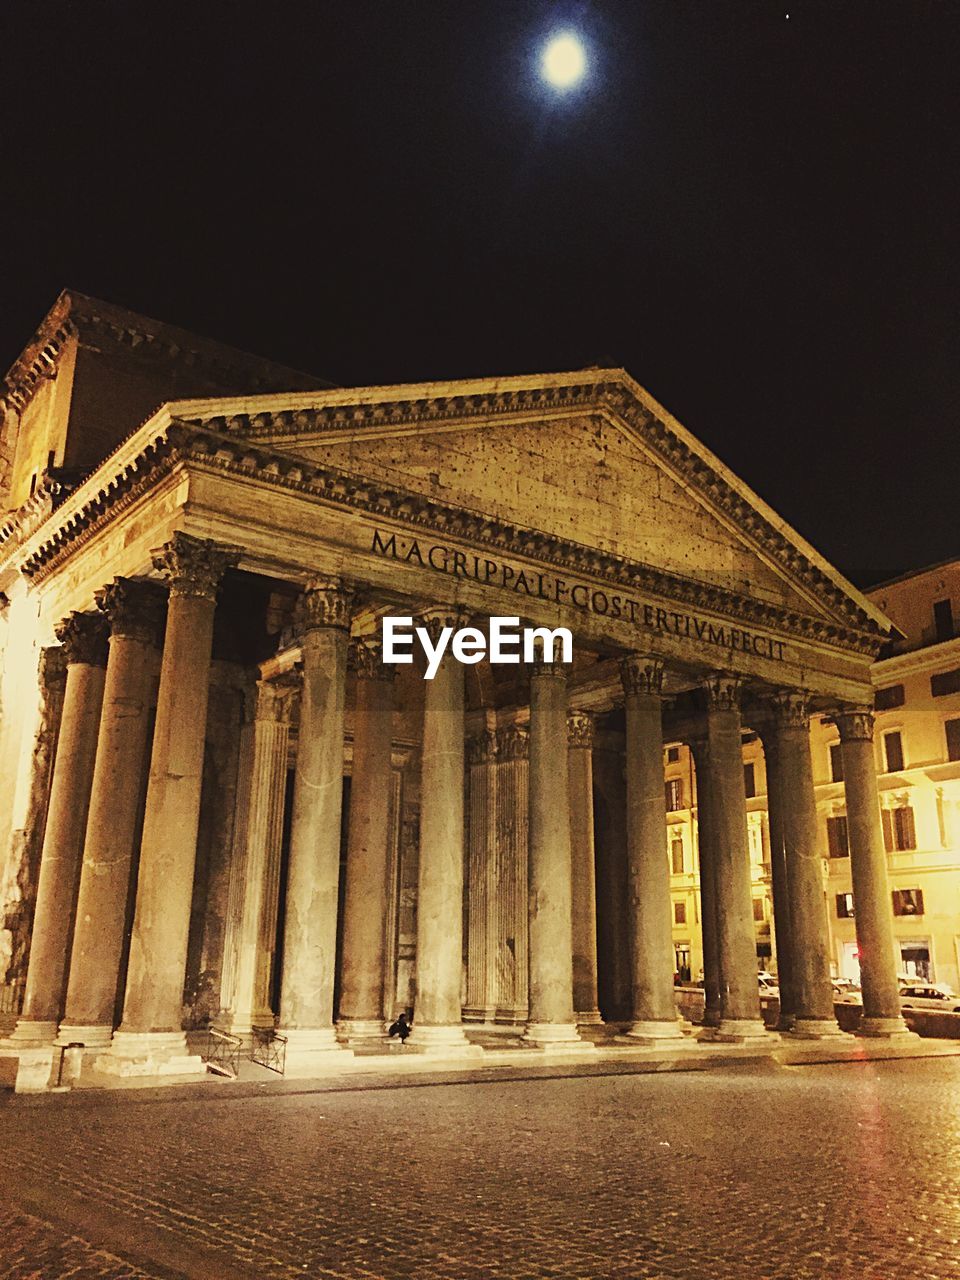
(846, 992)
(930, 995)
(767, 984)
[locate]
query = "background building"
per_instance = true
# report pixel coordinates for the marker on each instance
(917, 746)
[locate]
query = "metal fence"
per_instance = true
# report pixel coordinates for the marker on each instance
(223, 1052)
(269, 1049)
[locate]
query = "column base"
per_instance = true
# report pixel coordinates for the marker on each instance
(589, 1018)
(314, 1049)
(816, 1029)
(91, 1037)
(365, 1029)
(656, 1032)
(35, 1069)
(446, 1041)
(746, 1031)
(885, 1029)
(149, 1053)
(32, 1033)
(557, 1037)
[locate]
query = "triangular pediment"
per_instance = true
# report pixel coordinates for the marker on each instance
(587, 457)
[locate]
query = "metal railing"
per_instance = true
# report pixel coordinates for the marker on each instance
(223, 1052)
(269, 1049)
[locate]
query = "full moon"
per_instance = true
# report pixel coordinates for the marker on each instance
(564, 61)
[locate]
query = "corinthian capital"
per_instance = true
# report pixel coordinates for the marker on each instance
(84, 639)
(723, 691)
(579, 729)
(366, 660)
(133, 609)
(639, 674)
(482, 747)
(790, 710)
(275, 698)
(855, 724)
(326, 602)
(194, 566)
(513, 743)
(443, 615)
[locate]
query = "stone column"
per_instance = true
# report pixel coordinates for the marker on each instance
(651, 934)
(778, 872)
(613, 925)
(365, 907)
(551, 1019)
(135, 613)
(83, 637)
(253, 898)
(740, 1018)
(707, 860)
(150, 1038)
(871, 891)
(482, 888)
(584, 882)
(511, 875)
(810, 956)
(437, 1026)
(313, 874)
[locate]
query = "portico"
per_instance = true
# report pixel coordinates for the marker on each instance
(300, 836)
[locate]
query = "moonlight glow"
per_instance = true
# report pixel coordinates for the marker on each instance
(564, 61)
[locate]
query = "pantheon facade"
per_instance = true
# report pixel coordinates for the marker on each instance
(219, 805)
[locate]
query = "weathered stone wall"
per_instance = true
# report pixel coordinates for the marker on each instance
(18, 890)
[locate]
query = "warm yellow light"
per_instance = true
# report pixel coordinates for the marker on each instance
(564, 61)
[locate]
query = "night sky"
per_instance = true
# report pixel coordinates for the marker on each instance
(755, 214)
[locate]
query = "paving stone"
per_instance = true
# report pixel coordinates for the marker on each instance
(829, 1172)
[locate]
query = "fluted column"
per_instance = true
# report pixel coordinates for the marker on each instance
(365, 906)
(313, 873)
(551, 1018)
(253, 898)
(437, 1025)
(871, 890)
(778, 872)
(740, 1017)
(809, 947)
(654, 1011)
(135, 613)
(707, 860)
(583, 864)
(150, 1037)
(482, 889)
(83, 637)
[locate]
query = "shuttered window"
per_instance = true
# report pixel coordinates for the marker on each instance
(836, 762)
(889, 698)
(899, 830)
(944, 683)
(952, 730)
(893, 751)
(837, 837)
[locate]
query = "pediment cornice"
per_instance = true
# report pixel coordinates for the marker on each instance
(151, 454)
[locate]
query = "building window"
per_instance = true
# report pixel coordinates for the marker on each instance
(679, 913)
(836, 762)
(943, 619)
(944, 683)
(749, 781)
(899, 831)
(673, 790)
(952, 729)
(681, 952)
(673, 755)
(893, 751)
(889, 698)
(758, 912)
(676, 857)
(837, 837)
(844, 906)
(908, 902)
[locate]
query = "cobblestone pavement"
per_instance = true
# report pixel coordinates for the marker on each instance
(833, 1172)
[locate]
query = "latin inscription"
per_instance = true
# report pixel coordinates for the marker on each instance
(545, 586)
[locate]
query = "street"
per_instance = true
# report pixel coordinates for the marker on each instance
(758, 1170)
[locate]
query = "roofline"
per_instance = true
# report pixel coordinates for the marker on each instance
(344, 396)
(913, 573)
